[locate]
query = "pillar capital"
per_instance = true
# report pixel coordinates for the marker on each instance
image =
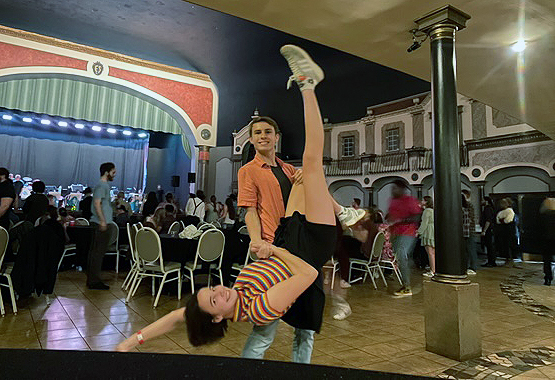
(447, 17)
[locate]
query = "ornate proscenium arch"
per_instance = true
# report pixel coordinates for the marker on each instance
(190, 98)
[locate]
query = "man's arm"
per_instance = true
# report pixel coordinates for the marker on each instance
(162, 326)
(252, 220)
(5, 204)
(97, 202)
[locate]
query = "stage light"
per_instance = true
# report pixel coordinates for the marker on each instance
(7, 117)
(519, 46)
(127, 133)
(96, 128)
(27, 119)
(45, 121)
(111, 130)
(62, 123)
(79, 126)
(142, 134)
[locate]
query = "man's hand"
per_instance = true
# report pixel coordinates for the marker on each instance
(262, 249)
(103, 226)
(298, 177)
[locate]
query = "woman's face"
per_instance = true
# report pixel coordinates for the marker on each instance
(217, 301)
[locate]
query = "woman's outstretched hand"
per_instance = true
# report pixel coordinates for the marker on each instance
(261, 249)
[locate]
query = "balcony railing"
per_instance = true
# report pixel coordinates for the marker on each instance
(348, 167)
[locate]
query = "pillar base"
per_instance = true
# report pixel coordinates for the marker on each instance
(452, 318)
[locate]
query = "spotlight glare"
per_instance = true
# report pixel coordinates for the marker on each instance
(127, 133)
(79, 126)
(142, 134)
(27, 119)
(519, 46)
(7, 117)
(111, 130)
(45, 121)
(96, 128)
(62, 123)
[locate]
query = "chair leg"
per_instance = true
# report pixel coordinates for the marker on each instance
(369, 272)
(350, 271)
(61, 259)
(2, 310)
(396, 270)
(333, 276)
(179, 284)
(381, 274)
(159, 291)
(221, 277)
(153, 286)
(117, 262)
(130, 275)
(192, 282)
(12, 294)
(138, 281)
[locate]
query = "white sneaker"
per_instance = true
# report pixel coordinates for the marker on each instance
(344, 284)
(470, 272)
(428, 274)
(349, 216)
(306, 73)
(343, 313)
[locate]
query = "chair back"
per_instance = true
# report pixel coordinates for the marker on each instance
(140, 225)
(4, 238)
(206, 227)
(16, 225)
(81, 222)
(113, 231)
(182, 225)
(243, 230)
(216, 224)
(174, 228)
(377, 247)
(211, 245)
(148, 246)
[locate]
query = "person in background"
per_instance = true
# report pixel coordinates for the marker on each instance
(469, 227)
(160, 193)
(36, 204)
(168, 219)
(211, 213)
(52, 201)
(155, 221)
(547, 219)
(120, 201)
(17, 185)
(506, 235)
(403, 216)
(228, 220)
(7, 198)
(86, 204)
(356, 203)
(487, 222)
(150, 204)
(122, 217)
(195, 205)
(101, 216)
(426, 233)
(65, 218)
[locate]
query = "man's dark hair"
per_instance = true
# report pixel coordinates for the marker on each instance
(169, 208)
(106, 167)
(62, 211)
(264, 119)
(400, 184)
(169, 197)
(200, 327)
(52, 211)
(488, 200)
(200, 195)
(122, 208)
(5, 172)
(88, 190)
(357, 201)
(39, 187)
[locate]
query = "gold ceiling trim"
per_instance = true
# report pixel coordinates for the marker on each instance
(100, 52)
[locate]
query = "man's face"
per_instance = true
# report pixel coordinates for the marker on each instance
(264, 137)
(111, 175)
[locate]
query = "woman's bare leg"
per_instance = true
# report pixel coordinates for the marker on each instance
(431, 251)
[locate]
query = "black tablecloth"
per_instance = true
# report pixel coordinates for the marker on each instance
(82, 237)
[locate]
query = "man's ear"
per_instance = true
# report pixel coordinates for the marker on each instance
(217, 319)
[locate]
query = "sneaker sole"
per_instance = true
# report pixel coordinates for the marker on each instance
(309, 69)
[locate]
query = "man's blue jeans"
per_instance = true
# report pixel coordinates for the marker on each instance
(403, 245)
(262, 337)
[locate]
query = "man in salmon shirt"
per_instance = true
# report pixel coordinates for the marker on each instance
(264, 187)
(403, 216)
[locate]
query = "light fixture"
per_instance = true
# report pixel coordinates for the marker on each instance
(79, 126)
(45, 121)
(62, 123)
(7, 117)
(96, 128)
(142, 134)
(27, 119)
(127, 133)
(519, 46)
(111, 130)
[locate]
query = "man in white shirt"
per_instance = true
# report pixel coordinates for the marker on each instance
(195, 205)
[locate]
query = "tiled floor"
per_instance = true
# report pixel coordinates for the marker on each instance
(383, 333)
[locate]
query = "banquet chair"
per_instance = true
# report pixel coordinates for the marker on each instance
(217, 224)
(182, 225)
(5, 271)
(210, 248)
(249, 256)
(334, 266)
(372, 264)
(70, 249)
(113, 242)
(175, 228)
(130, 278)
(206, 227)
(81, 222)
(393, 265)
(149, 253)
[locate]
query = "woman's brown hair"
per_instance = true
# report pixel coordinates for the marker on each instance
(428, 201)
(200, 327)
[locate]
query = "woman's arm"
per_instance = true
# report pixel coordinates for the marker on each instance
(285, 293)
(162, 326)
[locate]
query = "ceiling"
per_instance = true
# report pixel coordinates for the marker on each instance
(377, 30)
(241, 57)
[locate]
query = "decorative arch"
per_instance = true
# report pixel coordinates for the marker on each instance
(345, 190)
(500, 174)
